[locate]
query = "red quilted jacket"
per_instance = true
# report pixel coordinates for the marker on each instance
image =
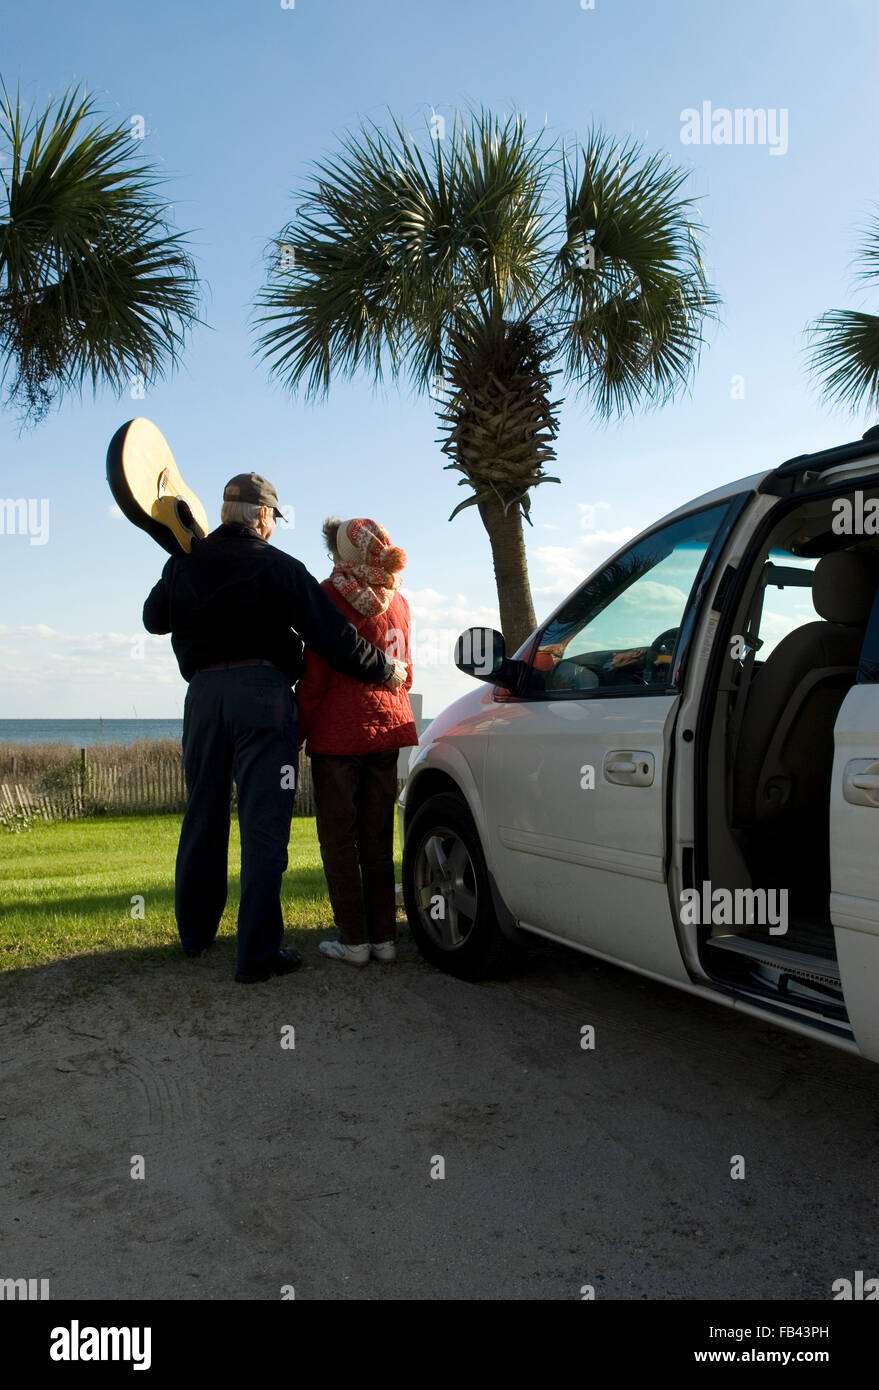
(343, 716)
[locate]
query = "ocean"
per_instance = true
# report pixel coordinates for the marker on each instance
(84, 733)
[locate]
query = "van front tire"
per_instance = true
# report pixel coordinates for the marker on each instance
(447, 893)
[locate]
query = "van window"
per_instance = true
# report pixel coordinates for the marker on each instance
(621, 627)
(785, 607)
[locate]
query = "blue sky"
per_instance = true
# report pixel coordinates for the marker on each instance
(238, 99)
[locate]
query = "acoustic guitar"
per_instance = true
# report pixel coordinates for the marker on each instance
(148, 489)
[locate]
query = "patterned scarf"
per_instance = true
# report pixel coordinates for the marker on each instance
(368, 588)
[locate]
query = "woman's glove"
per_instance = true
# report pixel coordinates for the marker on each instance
(398, 678)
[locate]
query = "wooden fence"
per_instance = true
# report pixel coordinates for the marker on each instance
(90, 789)
(95, 790)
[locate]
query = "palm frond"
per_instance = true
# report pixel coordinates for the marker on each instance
(392, 240)
(844, 358)
(843, 353)
(94, 284)
(867, 267)
(631, 295)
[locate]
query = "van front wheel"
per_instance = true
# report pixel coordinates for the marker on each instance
(447, 893)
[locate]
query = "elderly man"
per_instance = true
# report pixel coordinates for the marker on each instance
(239, 613)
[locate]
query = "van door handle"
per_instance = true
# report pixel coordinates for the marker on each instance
(860, 782)
(629, 767)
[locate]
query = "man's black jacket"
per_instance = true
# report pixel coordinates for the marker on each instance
(236, 597)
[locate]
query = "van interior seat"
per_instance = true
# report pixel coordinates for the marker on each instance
(784, 759)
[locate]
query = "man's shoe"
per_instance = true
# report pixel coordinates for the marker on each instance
(284, 962)
(383, 950)
(197, 954)
(354, 955)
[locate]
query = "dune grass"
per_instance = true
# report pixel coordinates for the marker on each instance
(70, 888)
(29, 763)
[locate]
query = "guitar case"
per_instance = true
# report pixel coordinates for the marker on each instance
(148, 489)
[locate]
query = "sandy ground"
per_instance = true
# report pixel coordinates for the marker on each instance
(311, 1167)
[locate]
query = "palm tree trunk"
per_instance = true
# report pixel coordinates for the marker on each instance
(510, 571)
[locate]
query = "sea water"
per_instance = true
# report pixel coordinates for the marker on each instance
(84, 733)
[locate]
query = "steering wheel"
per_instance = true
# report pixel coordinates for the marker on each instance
(570, 675)
(663, 645)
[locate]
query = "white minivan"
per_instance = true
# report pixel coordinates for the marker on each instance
(676, 772)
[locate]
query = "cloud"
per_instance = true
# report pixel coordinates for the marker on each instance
(39, 630)
(566, 566)
(52, 674)
(431, 608)
(651, 596)
(776, 625)
(587, 510)
(437, 622)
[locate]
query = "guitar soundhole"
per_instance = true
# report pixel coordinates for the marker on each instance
(186, 519)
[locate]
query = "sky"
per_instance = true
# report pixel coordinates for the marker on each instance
(238, 100)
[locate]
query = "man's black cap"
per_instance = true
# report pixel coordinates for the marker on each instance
(252, 487)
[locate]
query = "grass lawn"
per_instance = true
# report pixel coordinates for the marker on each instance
(66, 889)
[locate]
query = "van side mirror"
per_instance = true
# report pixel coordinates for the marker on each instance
(481, 652)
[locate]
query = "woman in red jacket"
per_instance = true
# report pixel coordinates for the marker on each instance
(353, 733)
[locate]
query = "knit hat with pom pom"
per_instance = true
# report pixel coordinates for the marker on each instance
(368, 568)
(363, 542)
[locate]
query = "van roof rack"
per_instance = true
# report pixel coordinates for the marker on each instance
(820, 462)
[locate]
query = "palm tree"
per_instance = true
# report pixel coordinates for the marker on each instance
(844, 355)
(483, 265)
(94, 286)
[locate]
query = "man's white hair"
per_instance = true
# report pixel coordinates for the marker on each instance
(240, 514)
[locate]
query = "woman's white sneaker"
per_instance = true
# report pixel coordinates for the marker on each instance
(383, 950)
(354, 955)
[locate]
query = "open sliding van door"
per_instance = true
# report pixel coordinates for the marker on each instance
(854, 846)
